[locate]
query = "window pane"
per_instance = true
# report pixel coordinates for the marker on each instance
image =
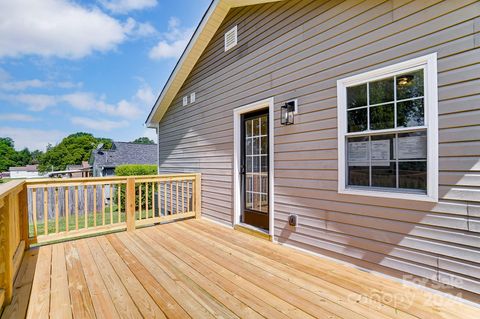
(358, 149)
(381, 91)
(357, 96)
(382, 148)
(413, 175)
(410, 113)
(357, 120)
(358, 174)
(412, 145)
(384, 174)
(382, 117)
(410, 85)
(248, 164)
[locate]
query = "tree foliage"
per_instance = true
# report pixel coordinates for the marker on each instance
(72, 150)
(9, 157)
(143, 140)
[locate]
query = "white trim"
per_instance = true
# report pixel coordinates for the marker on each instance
(429, 63)
(193, 97)
(185, 100)
(237, 205)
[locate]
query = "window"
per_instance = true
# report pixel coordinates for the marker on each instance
(231, 39)
(192, 97)
(185, 100)
(388, 131)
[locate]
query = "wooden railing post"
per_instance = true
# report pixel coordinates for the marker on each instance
(23, 206)
(5, 224)
(130, 204)
(198, 195)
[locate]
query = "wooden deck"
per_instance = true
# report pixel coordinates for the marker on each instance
(197, 269)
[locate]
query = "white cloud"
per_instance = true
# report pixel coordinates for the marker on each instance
(124, 6)
(17, 117)
(7, 83)
(34, 139)
(59, 28)
(139, 29)
(172, 43)
(35, 102)
(98, 125)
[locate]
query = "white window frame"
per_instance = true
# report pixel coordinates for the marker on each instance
(193, 97)
(185, 101)
(429, 63)
(233, 31)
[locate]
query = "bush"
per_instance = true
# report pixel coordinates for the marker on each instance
(135, 170)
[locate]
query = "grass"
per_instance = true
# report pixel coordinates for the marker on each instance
(5, 180)
(62, 221)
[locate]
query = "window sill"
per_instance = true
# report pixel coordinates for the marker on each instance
(391, 195)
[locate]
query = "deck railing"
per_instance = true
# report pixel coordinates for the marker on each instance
(48, 210)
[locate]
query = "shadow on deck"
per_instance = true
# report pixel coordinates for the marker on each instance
(197, 269)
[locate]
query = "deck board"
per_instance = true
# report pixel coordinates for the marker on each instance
(197, 269)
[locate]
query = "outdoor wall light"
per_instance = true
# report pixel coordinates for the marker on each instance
(287, 113)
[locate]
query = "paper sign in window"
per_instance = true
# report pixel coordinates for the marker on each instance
(358, 153)
(381, 152)
(412, 147)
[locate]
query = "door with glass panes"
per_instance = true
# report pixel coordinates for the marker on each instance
(255, 169)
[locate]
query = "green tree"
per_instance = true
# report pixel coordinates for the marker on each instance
(7, 154)
(143, 140)
(72, 150)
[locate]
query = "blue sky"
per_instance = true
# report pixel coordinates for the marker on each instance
(87, 66)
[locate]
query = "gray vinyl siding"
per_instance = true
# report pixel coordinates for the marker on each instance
(299, 49)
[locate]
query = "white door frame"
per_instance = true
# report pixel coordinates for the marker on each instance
(237, 115)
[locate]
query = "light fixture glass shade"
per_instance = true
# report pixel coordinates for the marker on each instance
(287, 113)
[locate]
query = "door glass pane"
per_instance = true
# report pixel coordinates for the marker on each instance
(382, 117)
(256, 127)
(381, 91)
(264, 125)
(248, 146)
(248, 128)
(264, 145)
(357, 96)
(256, 146)
(248, 200)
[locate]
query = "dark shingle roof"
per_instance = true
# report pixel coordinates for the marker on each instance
(125, 153)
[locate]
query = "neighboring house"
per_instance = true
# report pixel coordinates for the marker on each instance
(381, 165)
(29, 171)
(73, 171)
(104, 162)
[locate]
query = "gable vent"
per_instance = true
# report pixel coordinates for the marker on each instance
(231, 39)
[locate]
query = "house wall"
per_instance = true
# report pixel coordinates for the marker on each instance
(23, 174)
(299, 49)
